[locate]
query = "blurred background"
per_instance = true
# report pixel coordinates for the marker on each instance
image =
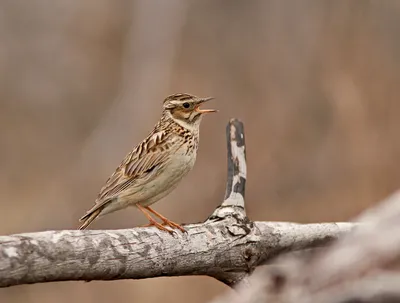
(81, 82)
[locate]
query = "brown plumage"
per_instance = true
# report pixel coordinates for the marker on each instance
(156, 165)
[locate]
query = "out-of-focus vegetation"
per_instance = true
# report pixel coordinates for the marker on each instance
(315, 82)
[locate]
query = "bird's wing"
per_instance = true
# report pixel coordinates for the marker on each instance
(143, 163)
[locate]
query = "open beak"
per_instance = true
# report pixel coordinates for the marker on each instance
(205, 111)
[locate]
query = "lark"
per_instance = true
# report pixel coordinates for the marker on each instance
(156, 165)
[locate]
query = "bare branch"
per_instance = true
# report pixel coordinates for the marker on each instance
(362, 266)
(226, 250)
(228, 246)
(237, 172)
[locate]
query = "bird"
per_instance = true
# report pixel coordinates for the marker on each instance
(156, 165)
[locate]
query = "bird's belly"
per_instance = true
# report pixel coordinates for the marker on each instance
(167, 180)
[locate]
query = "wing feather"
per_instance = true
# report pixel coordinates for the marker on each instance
(146, 160)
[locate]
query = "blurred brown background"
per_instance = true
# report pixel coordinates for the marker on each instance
(81, 82)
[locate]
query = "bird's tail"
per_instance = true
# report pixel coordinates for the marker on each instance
(89, 218)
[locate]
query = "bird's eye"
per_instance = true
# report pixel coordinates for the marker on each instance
(186, 105)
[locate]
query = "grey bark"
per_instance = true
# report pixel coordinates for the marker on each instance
(227, 246)
(363, 266)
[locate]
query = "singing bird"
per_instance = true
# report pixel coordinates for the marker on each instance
(156, 165)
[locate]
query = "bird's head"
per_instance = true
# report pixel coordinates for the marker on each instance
(185, 109)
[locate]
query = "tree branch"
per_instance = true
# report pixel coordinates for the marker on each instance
(228, 246)
(363, 266)
(237, 171)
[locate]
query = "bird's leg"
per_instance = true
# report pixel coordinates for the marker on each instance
(152, 221)
(165, 220)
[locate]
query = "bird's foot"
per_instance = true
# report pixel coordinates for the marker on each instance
(174, 225)
(159, 226)
(168, 223)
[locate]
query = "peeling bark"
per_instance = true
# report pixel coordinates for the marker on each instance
(363, 266)
(225, 250)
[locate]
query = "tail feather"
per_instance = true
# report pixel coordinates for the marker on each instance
(89, 218)
(93, 214)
